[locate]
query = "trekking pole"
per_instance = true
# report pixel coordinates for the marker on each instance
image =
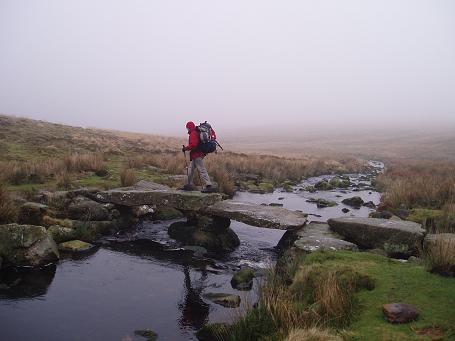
(186, 162)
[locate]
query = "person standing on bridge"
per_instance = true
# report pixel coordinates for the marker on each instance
(196, 159)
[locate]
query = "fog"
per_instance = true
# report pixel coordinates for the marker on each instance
(150, 66)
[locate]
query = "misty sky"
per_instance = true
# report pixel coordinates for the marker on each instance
(151, 65)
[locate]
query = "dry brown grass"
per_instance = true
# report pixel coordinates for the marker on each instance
(411, 184)
(439, 255)
(85, 162)
(312, 334)
(8, 209)
(63, 180)
(128, 177)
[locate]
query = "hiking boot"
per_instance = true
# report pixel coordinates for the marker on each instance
(209, 189)
(189, 187)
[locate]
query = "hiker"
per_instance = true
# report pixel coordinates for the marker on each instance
(197, 158)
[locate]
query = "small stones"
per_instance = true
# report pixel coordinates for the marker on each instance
(400, 312)
(225, 300)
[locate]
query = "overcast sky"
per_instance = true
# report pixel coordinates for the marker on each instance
(150, 66)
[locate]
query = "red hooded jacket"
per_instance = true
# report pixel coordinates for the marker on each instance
(193, 141)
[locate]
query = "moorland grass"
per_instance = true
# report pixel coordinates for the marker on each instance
(394, 281)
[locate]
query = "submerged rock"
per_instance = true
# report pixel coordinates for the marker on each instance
(355, 202)
(371, 233)
(149, 334)
(321, 203)
(26, 245)
(400, 312)
(243, 279)
(75, 246)
(226, 300)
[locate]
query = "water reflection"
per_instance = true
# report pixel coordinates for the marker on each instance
(23, 283)
(194, 310)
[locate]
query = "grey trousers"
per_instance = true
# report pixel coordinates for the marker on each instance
(198, 163)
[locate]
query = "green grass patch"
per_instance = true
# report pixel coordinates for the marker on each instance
(395, 282)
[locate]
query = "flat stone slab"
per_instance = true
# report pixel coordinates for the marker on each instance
(164, 196)
(318, 236)
(258, 215)
(380, 233)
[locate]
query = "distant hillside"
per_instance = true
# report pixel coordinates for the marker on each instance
(420, 144)
(22, 138)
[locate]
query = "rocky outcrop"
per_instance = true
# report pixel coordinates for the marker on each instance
(398, 238)
(315, 236)
(213, 234)
(258, 215)
(61, 234)
(400, 312)
(26, 245)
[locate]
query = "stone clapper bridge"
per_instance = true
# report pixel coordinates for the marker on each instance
(208, 215)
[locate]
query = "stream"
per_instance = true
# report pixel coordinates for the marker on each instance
(141, 279)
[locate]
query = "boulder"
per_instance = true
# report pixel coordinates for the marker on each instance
(226, 300)
(243, 279)
(75, 246)
(32, 213)
(85, 209)
(317, 236)
(345, 210)
(323, 185)
(385, 234)
(340, 182)
(26, 245)
(257, 215)
(355, 202)
(369, 204)
(211, 237)
(400, 312)
(61, 234)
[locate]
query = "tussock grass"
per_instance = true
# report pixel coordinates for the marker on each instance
(8, 209)
(128, 177)
(411, 184)
(312, 334)
(439, 255)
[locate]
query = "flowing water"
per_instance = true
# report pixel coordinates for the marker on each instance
(142, 279)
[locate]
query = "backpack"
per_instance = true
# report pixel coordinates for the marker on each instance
(207, 142)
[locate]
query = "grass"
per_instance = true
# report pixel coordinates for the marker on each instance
(8, 209)
(37, 155)
(325, 292)
(439, 255)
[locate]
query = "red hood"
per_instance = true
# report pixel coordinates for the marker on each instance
(191, 126)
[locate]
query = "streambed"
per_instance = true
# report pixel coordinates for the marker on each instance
(142, 279)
